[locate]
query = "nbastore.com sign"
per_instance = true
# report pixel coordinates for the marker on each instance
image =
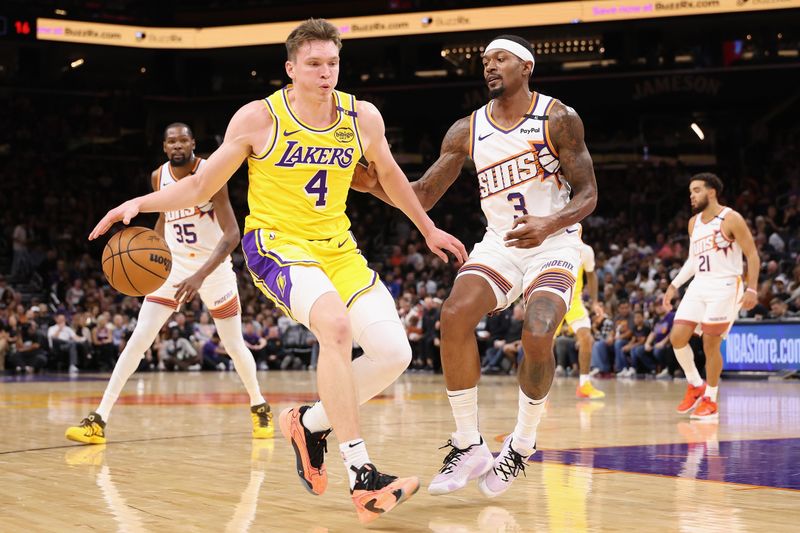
(753, 346)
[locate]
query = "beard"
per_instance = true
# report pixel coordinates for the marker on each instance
(700, 206)
(178, 160)
(496, 93)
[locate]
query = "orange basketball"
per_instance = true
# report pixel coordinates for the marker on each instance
(136, 261)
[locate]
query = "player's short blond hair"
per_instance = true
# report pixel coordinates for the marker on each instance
(312, 30)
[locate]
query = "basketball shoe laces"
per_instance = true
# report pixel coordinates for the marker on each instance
(368, 478)
(88, 425)
(453, 457)
(264, 417)
(511, 465)
(317, 447)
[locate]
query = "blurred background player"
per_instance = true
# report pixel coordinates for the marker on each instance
(577, 318)
(201, 239)
(302, 144)
(718, 236)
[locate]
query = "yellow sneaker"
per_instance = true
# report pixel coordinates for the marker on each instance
(90, 431)
(587, 391)
(263, 428)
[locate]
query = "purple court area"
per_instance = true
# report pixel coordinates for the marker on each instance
(767, 463)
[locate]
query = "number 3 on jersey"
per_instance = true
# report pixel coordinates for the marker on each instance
(519, 202)
(318, 186)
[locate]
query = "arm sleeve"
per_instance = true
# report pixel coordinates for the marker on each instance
(686, 273)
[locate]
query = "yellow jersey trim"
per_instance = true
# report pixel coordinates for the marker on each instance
(275, 128)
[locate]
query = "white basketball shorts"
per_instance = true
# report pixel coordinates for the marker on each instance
(712, 303)
(219, 291)
(511, 272)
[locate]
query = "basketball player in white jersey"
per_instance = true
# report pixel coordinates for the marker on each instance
(531, 158)
(201, 240)
(719, 236)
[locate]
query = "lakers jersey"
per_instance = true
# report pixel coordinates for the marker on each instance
(191, 233)
(713, 254)
(519, 172)
(299, 183)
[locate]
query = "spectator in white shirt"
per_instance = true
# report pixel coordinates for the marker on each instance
(63, 339)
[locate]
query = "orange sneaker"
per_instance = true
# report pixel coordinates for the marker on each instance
(692, 398)
(707, 410)
(309, 449)
(587, 391)
(375, 493)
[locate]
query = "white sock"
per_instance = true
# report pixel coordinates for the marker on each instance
(315, 419)
(354, 454)
(386, 355)
(685, 357)
(230, 333)
(711, 392)
(151, 317)
(528, 417)
(584, 379)
(464, 404)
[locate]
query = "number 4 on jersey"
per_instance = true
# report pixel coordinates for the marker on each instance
(318, 186)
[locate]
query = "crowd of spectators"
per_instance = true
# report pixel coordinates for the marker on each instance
(58, 312)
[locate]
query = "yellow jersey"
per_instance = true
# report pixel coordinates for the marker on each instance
(299, 183)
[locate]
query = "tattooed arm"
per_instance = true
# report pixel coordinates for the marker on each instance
(566, 134)
(441, 175)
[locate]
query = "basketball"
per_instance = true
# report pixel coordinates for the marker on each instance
(136, 261)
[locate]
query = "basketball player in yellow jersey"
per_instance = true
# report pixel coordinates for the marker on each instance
(577, 318)
(302, 144)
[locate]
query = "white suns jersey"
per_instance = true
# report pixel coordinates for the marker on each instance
(713, 255)
(518, 168)
(191, 233)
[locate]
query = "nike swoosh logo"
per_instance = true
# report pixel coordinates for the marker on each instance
(480, 138)
(342, 243)
(454, 395)
(573, 231)
(287, 133)
(370, 506)
(356, 444)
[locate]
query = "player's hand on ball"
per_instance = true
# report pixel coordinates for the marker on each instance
(439, 240)
(528, 231)
(187, 289)
(749, 300)
(124, 212)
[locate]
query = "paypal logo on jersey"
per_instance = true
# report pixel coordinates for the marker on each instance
(297, 154)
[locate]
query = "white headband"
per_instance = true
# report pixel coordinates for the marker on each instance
(510, 46)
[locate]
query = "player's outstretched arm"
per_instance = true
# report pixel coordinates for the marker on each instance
(442, 174)
(396, 186)
(187, 289)
(246, 130)
(735, 225)
(566, 134)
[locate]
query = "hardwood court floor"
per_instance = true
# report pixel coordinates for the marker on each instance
(180, 458)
